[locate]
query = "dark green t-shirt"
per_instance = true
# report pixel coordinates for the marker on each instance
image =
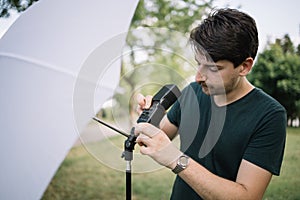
(252, 128)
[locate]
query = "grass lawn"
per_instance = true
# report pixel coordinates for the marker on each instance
(287, 185)
(81, 176)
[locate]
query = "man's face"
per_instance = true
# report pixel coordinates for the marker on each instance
(217, 78)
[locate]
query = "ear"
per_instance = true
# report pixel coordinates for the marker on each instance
(246, 66)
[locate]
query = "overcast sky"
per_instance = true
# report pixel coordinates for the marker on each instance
(274, 18)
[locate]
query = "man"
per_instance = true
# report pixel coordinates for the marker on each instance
(247, 143)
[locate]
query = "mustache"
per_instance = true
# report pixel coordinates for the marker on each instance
(202, 83)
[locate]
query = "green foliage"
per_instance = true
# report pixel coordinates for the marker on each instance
(19, 5)
(298, 50)
(157, 50)
(277, 72)
(177, 15)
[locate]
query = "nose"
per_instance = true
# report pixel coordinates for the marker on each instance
(200, 76)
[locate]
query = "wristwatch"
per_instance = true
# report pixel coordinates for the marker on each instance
(182, 163)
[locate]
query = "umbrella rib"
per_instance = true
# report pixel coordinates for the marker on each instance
(37, 62)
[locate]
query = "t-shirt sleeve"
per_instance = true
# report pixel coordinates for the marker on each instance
(266, 147)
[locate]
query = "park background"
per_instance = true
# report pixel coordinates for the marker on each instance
(276, 70)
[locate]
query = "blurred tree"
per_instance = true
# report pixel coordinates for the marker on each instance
(177, 15)
(157, 46)
(286, 44)
(19, 5)
(298, 50)
(277, 72)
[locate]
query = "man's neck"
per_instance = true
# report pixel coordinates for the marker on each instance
(241, 90)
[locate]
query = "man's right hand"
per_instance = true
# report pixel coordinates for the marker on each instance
(165, 124)
(143, 102)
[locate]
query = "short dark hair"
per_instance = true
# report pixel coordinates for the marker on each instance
(227, 34)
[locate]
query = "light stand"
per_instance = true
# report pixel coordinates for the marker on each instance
(127, 154)
(161, 101)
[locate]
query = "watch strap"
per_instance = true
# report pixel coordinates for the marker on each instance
(177, 169)
(181, 166)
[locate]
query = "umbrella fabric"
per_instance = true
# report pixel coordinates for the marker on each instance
(43, 58)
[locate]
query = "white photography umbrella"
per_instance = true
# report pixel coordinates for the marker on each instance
(46, 58)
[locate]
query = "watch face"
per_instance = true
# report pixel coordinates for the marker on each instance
(183, 161)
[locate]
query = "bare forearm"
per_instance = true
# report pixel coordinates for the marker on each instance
(168, 128)
(210, 186)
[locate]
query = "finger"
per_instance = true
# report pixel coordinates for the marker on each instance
(141, 144)
(143, 140)
(148, 101)
(141, 100)
(139, 110)
(146, 129)
(144, 150)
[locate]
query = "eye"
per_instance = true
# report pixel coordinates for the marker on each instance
(213, 68)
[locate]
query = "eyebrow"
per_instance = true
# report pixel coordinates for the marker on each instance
(209, 64)
(220, 66)
(206, 63)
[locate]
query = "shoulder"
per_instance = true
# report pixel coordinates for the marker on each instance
(270, 115)
(266, 145)
(267, 102)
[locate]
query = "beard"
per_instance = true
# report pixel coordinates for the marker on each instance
(219, 88)
(212, 90)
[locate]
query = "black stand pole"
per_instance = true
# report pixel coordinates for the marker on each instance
(128, 156)
(128, 182)
(161, 101)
